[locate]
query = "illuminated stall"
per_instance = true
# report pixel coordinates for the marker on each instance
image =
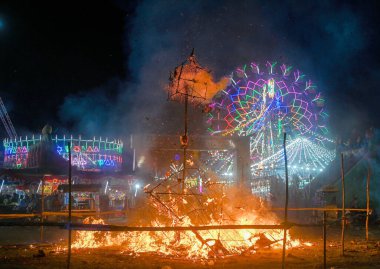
(40, 163)
(85, 197)
(87, 154)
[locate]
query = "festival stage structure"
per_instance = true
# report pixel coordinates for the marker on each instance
(264, 101)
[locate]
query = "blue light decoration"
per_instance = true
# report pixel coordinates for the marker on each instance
(87, 154)
(305, 157)
(264, 101)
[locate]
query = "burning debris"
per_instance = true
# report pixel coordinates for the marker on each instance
(166, 207)
(192, 80)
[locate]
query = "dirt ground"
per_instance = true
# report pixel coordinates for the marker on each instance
(18, 250)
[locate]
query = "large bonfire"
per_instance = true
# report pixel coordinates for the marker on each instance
(217, 205)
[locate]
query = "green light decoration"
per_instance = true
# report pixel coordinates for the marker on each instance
(263, 102)
(87, 154)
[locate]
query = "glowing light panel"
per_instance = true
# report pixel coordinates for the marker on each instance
(94, 154)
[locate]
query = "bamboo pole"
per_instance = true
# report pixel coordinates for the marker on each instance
(368, 198)
(343, 203)
(185, 144)
(286, 203)
(42, 209)
(69, 219)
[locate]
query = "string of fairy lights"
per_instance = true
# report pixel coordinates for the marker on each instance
(304, 156)
(221, 162)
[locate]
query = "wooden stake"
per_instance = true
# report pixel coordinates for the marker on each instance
(187, 140)
(42, 209)
(286, 203)
(69, 219)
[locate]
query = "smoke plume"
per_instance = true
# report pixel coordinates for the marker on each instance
(321, 38)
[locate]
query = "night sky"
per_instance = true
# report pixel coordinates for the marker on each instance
(99, 67)
(49, 51)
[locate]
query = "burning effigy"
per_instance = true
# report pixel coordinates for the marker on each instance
(192, 80)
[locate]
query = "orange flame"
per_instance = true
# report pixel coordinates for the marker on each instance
(189, 244)
(194, 81)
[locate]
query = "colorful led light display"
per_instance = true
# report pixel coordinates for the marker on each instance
(216, 164)
(221, 162)
(94, 154)
(263, 102)
(305, 159)
(219, 165)
(271, 97)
